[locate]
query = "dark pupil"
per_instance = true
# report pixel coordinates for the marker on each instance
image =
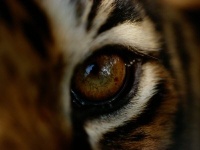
(92, 69)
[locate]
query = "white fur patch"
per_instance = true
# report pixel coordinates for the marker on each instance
(138, 35)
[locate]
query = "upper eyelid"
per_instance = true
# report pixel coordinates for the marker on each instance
(136, 51)
(146, 55)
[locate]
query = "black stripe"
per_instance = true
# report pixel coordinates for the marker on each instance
(165, 58)
(36, 27)
(154, 11)
(93, 13)
(5, 13)
(79, 7)
(123, 11)
(185, 59)
(125, 133)
(38, 17)
(35, 38)
(80, 137)
(181, 46)
(193, 17)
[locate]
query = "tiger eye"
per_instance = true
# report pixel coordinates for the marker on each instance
(99, 78)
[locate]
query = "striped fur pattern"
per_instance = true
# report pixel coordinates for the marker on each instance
(42, 43)
(183, 22)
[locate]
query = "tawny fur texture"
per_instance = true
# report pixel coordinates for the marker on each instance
(29, 91)
(184, 17)
(31, 87)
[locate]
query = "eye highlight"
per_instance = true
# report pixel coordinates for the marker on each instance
(100, 77)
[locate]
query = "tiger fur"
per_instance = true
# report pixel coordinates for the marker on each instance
(43, 42)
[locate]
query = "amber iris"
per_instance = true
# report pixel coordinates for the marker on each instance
(100, 77)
